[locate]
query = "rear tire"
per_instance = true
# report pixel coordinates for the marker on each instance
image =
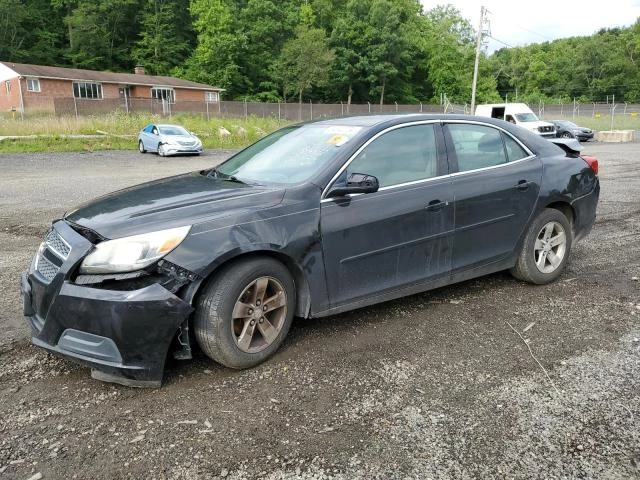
(244, 313)
(567, 135)
(545, 249)
(141, 147)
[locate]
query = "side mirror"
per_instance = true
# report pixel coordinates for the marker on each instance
(356, 183)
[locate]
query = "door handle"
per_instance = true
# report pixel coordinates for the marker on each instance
(522, 185)
(435, 205)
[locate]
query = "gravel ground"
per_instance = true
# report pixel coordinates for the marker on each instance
(436, 385)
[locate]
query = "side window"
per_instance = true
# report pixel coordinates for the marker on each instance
(514, 150)
(477, 146)
(402, 155)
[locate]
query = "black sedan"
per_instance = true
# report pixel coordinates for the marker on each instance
(312, 220)
(567, 129)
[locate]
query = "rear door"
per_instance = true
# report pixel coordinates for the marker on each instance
(496, 185)
(399, 235)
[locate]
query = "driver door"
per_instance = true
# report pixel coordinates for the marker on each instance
(399, 235)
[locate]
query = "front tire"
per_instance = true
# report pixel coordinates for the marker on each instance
(161, 151)
(545, 250)
(244, 313)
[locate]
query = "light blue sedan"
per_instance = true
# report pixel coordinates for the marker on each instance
(168, 140)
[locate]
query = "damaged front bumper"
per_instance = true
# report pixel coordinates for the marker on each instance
(123, 334)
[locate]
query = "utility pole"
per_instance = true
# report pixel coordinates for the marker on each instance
(483, 28)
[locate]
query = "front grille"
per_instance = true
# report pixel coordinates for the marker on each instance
(545, 129)
(187, 144)
(45, 268)
(57, 244)
(52, 254)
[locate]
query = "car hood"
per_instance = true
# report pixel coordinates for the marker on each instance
(178, 138)
(170, 202)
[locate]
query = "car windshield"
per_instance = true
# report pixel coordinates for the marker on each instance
(290, 155)
(568, 124)
(172, 130)
(526, 117)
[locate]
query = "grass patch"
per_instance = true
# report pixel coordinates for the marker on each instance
(242, 132)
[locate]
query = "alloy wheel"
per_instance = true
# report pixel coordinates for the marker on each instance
(550, 247)
(259, 314)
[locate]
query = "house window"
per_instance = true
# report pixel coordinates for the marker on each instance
(211, 97)
(87, 90)
(33, 85)
(162, 93)
(7, 86)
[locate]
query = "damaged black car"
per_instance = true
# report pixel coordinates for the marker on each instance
(312, 220)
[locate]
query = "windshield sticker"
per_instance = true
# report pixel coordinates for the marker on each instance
(338, 140)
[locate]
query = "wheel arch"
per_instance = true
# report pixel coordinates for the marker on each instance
(303, 295)
(567, 210)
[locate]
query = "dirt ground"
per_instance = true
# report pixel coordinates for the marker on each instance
(437, 385)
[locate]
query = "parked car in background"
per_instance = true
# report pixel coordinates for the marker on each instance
(518, 114)
(168, 140)
(312, 220)
(567, 129)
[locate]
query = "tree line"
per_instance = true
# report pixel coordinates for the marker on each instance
(320, 50)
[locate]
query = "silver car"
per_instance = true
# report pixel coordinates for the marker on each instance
(168, 140)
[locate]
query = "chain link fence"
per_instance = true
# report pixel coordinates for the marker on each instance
(64, 106)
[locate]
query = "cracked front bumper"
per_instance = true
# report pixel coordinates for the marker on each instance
(123, 334)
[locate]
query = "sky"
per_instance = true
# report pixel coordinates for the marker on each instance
(533, 21)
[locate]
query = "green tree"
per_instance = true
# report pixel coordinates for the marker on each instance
(266, 26)
(164, 39)
(304, 62)
(32, 33)
(215, 60)
(100, 34)
(447, 41)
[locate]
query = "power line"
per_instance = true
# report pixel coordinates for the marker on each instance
(500, 41)
(546, 37)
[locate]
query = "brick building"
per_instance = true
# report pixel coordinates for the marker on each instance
(43, 89)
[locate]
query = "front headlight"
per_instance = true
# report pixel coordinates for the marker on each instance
(132, 253)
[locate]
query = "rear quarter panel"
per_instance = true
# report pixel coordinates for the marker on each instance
(570, 180)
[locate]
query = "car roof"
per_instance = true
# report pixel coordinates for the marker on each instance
(399, 118)
(168, 125)
(376, 122)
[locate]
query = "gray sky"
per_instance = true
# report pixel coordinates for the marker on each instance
(533, 21)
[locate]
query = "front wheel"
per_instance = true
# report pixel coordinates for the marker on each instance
(161, 150)
(245, 312)
(545, 250)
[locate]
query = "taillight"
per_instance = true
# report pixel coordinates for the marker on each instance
(592, 162)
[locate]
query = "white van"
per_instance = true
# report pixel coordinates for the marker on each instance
(518, 113)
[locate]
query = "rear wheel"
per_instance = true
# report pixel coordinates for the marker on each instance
(244, 314)
(545, 250)
(141, 147)
(566, 135)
